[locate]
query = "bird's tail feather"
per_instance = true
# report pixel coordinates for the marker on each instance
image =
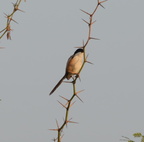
(58, 84)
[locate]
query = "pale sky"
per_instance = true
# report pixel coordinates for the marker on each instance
(34, 61)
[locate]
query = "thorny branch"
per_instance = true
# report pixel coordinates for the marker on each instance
(9, 17)
(75, 93)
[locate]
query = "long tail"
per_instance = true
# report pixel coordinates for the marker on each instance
(58, 84)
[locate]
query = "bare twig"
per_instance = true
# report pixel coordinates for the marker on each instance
(75, 93)
(7, 30)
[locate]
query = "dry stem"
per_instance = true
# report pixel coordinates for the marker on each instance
(75, 94)
(9, 17)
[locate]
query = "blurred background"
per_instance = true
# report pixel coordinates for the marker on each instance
(34, 61)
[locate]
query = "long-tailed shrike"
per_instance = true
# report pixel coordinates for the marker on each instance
(73, 66)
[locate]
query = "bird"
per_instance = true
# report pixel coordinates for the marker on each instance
(73, 66)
